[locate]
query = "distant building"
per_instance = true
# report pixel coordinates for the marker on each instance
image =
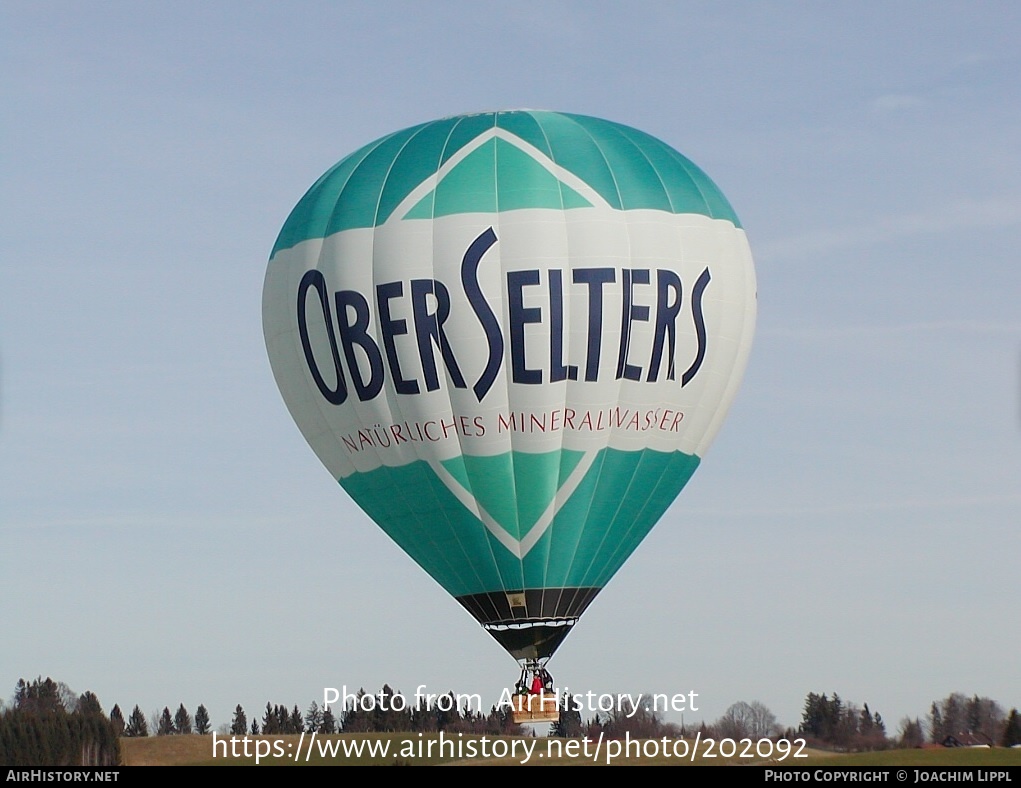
(967, 740)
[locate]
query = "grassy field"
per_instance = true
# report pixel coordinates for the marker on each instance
(198, 750)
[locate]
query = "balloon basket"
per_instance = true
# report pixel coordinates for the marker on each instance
(534, 708)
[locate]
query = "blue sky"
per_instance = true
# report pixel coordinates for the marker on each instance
(167, 535)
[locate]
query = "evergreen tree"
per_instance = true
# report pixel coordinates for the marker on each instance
(166, 724)
(834, 718)
(20, 693)
(954, 713)
(814, 717)
(137, 726)
(182, 720)
(239, 725)
(865, 722)
(957, 714)
(255, 727)
(424, 718)
(835, 722)
(278, 719)
(201, 720)
(269, 720)
(936, 732)
(313, 718)
(911, 734)
(449, 714)
(353, 718)
(985, 717)
(117, 720)
(49, 727)
(569, 726)
(41, 696)
(88, 705)
(390, 719)
(297, 722)
(1012, 733)
(329, 724)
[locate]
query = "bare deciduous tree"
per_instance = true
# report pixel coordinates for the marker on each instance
(747, 720)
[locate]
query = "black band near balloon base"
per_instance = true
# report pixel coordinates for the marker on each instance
(529, 623)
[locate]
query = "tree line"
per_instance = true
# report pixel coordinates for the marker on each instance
(442, 714)
(47, 724)
(828, 721)
(982, 718)
(954, 720)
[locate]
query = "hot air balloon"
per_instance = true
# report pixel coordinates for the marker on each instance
(510, 337)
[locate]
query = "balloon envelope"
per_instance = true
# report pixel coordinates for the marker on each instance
(511, 336)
